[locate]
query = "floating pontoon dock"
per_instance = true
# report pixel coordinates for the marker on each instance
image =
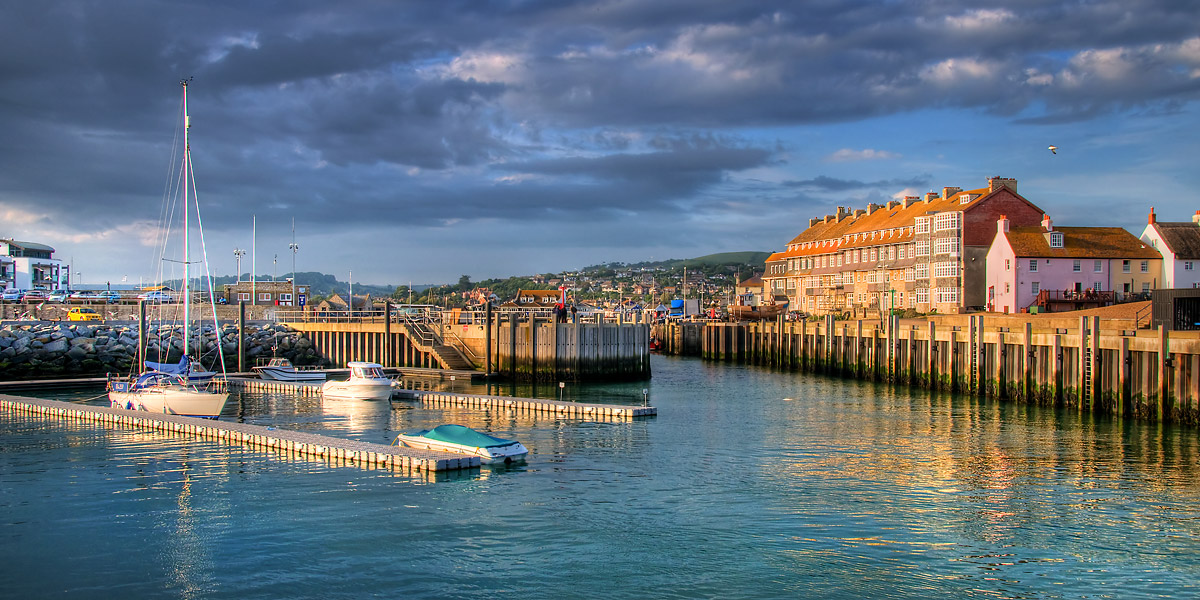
(306, 444)
(568, 409)
(525, 405)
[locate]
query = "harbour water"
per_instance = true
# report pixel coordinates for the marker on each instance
(748, 484)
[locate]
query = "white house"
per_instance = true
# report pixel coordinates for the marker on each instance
(1179, 244)
(30, 266)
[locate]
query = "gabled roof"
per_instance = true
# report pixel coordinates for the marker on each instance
(1183, 238)
(1079, 242)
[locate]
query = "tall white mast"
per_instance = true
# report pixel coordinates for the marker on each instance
(187, 181)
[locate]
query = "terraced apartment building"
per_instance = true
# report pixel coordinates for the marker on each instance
(923, 252)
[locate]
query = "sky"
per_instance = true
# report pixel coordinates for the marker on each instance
(421, 141)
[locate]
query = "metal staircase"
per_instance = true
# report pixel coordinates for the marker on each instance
(427, 340)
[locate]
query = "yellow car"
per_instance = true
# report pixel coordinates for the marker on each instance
(82, 313)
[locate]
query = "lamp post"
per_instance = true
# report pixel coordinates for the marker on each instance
(294, 247)
(238, 253)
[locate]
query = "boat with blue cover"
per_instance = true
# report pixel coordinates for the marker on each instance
(464, 440)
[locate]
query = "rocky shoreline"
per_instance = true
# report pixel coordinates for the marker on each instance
(59, 349)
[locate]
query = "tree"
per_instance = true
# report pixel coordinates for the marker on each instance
(464, 283)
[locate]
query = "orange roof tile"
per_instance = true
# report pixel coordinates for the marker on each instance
(1079, 242)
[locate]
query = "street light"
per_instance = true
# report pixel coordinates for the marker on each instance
(238, 253)
(294, 247)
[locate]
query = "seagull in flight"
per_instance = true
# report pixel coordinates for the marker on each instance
(1053, 149)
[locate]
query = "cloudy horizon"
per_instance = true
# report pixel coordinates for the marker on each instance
(414, 141)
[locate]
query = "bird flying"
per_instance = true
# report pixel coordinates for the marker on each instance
(1053, 149)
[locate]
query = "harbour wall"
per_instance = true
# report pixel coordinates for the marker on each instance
(518, 346)
(47, 349)
(1092, 365)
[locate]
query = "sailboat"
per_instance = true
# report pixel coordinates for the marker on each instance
(165, 390)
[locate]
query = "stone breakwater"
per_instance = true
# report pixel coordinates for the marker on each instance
(49, 349)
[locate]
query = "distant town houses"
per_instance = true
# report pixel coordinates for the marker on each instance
(277, 293)
(966, 250)
(31, 266)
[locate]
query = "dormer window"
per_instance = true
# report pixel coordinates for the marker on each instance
(1056, 239)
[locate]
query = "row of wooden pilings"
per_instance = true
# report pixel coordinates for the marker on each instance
(1139, 373)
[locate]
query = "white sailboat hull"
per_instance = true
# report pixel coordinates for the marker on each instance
(183, 401)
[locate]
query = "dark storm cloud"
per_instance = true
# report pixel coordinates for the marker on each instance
(428, 113)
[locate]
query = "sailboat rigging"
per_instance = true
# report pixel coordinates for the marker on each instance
(165, 388)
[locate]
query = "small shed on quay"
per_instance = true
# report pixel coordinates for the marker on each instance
(1176, 309)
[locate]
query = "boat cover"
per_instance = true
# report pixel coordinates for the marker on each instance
(458, 434)
(170, 368)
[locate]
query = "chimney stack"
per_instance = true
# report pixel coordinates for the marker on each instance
(1151, 219)
(872, 207)
(950, 191)
(1196, 218)
(814, 221)
(858, 212)
(841, 213)
(1046, 223)
(930, 196)
(996, 183)
(1002, 224)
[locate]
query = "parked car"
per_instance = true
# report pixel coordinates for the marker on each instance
(33, 296)
(12, 295)
(58, 296)
(82, 296)
(109, 296)
(157, 296)
(83, 313)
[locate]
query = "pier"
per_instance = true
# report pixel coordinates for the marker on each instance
(516, 345)
(313, 446)
(1108, 367)
(582, 410)
(605, 412)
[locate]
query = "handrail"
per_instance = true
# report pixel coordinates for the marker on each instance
(463, 347)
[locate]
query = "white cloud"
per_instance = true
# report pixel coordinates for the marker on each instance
(975, 20)
(848, 155)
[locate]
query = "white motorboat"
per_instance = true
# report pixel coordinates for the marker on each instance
(282, 369)
(174, 392)
(464, 440)
(367, 382)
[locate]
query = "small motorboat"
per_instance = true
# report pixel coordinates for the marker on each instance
(282, 369)
(367, 382)
(464, 440)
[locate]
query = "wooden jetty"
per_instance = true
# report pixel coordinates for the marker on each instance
(313, 446)
(582, 410)
(1075, 362)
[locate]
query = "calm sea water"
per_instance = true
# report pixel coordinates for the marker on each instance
(748, 484)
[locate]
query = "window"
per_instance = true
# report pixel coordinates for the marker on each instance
(1076, 267)
(923, 295)
(1098, 286)
(264, 297)
(1033, 266)
(1035, 287)
(922, 270)
(946, 221)
(1124, 266)
(901, 253)
(1098, 267)
(922, 225)
(948, 268)
(243, 296)
(285, 297)
(947, 245)
(891, 252)
(1007, 289)
(1056, 240)
(922, 247)
(1145, 266)
(1007, 264)
(1187, 265)
(1146, 288)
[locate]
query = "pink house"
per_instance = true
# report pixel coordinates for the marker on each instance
(1066, 268)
